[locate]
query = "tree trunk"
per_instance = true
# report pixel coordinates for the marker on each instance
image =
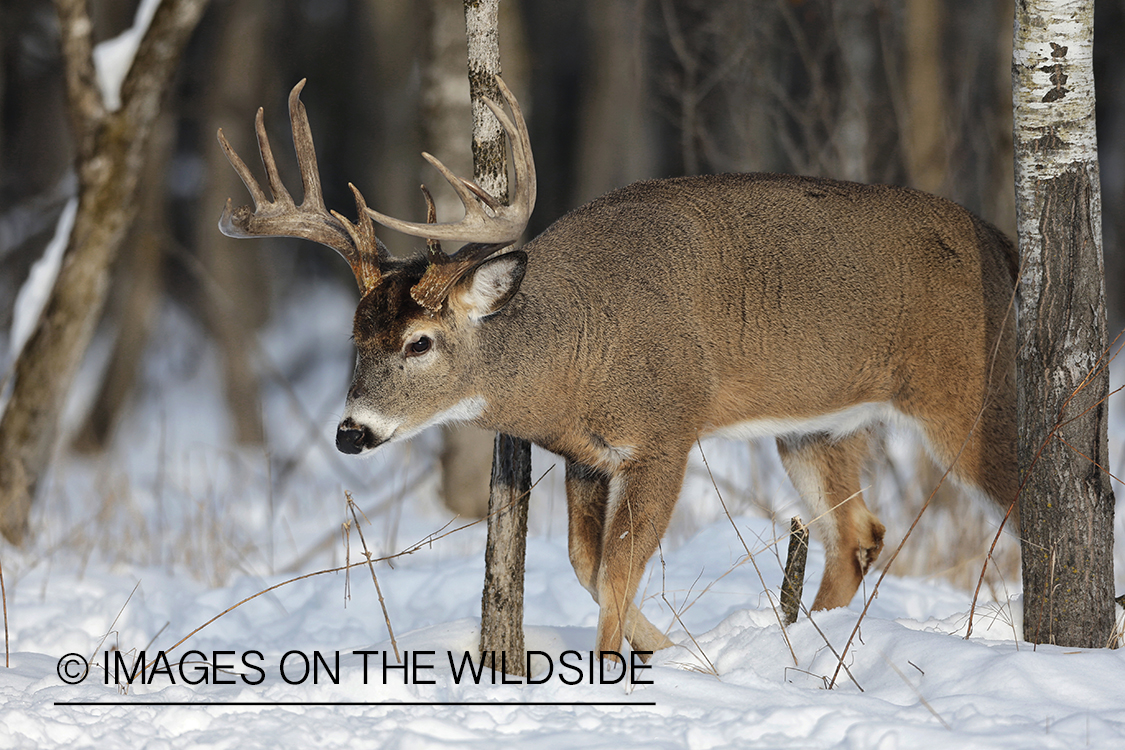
(926, 136)
(111, 146)
(1066, 509)
(501, 621)
(138, 279)
(396, 129)
(502, 603)
(616, 143)
(36, 153)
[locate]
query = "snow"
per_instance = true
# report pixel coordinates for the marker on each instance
(32, 296)
(114, 57)
(137, 549)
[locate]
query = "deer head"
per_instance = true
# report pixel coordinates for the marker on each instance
(413, 313)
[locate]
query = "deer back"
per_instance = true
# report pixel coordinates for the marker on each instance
(696, 304)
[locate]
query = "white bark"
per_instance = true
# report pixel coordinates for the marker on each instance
(502, 600)
(482, 26)
(1066, 509)
(1050, 88)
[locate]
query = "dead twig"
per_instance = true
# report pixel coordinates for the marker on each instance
(921, 699)
(750, 557)
(664, 596)
(794, 581)
(898, 549)
(4, 599)
(371, 566)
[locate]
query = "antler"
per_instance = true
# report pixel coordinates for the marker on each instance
(486, 220)
(311, 220)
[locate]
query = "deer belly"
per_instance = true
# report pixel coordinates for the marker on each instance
(838, 423)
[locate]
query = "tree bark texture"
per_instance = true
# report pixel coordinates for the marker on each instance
(138, 281)
(501, 627)
(1067, 504)
(490, 163)
(111, 149)
(501, 622)
(794, 582)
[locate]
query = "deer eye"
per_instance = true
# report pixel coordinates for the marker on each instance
(421, 345)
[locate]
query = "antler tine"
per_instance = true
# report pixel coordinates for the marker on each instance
(486, 219)
(273, 177)
(445, 270)
(244, 174)
(370, 251)
(524, 193)
(281, 217)
(434, 246)
(306, 153)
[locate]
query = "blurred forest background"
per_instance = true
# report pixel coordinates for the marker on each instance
(909, 92)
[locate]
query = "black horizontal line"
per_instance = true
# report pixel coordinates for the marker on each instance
(355, 703)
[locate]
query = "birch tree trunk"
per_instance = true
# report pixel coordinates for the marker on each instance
(501, 627)
(112, 146)
(1066, 509)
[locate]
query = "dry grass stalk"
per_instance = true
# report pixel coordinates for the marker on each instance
(371, 566)
(424, 543)
(663, 595)
(4, 599)
(750, 557)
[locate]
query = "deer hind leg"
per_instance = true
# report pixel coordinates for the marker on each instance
(637, 502)
(982, 451)
(825, 472)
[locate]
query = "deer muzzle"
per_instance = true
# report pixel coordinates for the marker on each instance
(354, 438)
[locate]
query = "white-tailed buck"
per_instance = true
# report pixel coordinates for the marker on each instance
(742, 305)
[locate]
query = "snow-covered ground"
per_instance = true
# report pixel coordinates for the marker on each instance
(147, 548)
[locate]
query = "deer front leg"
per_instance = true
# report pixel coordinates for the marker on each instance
(587, 493)
(639, 498)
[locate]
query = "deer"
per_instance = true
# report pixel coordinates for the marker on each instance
(805, 309)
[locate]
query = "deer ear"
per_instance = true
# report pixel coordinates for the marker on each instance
(488, 287)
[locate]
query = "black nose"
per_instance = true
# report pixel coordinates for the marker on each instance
(352, 438)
